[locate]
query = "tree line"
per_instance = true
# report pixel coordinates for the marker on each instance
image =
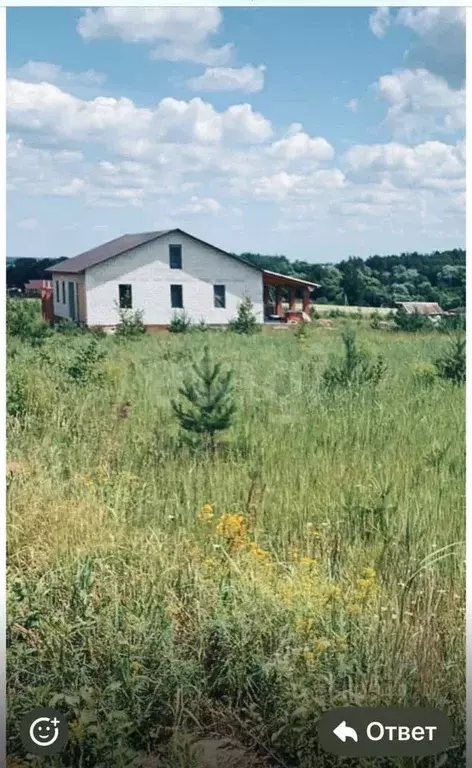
(378, 281)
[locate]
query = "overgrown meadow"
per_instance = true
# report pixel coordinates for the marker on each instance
(159, 594)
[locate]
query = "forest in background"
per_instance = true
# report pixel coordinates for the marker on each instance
(378, 281)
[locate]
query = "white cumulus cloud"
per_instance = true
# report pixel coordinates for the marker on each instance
(379, 21)
(122, 125)
(421, 103)
(248, 79)
(181, 34)
(46, 71)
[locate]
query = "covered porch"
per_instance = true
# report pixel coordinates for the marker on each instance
(286, 298)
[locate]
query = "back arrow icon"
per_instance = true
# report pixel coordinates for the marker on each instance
(343, 732)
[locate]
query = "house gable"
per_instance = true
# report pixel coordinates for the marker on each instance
(146, 270)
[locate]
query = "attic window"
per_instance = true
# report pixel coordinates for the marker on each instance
(126, 301)
(175, 256)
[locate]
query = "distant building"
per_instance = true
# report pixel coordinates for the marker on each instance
(36, 286)
(429, 308)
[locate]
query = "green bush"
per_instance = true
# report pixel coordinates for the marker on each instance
(246, 321)
(85, 365)
(425, 374)
(411, 323)
(355, 369)
(375, 320)
(301, 330)
(131, 324)
(452, 363)
(179, 323)
(68, 327)
(24, 321)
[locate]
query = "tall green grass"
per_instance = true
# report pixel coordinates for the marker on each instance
(315, 561)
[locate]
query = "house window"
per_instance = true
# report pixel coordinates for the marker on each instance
(219, 296)
(175, 256)
(63, 292)
(57, 291)
(176, 297)
(126, 300)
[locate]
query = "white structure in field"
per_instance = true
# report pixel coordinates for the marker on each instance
(159, 273)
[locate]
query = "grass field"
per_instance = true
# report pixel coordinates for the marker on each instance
(158, 596)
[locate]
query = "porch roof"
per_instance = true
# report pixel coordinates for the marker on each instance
(275, 278)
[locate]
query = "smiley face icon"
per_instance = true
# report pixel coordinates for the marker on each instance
(44, 731)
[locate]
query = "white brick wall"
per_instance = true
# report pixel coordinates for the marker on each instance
(147, 270)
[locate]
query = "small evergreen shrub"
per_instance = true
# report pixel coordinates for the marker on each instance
(207, 406)
(85, 365)
(301, 330)
(314, 314)
(451, 364)
(355, 370)
(246, 321)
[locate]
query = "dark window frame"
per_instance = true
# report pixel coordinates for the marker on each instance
(63, 292)
(178, 305)
(175, 256)
(58, 295)
(219, 296)
(125, 297)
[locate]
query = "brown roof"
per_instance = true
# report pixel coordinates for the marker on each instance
(420, 307)
(121, 245)
(276, 278)
(104, 252)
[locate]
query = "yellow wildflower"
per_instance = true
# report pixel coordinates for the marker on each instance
(304, 626)
(258, 553)
(233, 528)
(206, 513)
(334, 592)
(135, 667)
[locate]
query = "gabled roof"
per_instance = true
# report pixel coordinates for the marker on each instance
(121, 245)
(420, 307)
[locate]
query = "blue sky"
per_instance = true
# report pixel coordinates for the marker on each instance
(314, 132)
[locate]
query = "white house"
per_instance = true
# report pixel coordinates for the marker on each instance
(163, 273)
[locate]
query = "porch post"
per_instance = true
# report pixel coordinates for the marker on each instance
(291, 297)
(266, 299)
(278, 301)
(306, 300)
